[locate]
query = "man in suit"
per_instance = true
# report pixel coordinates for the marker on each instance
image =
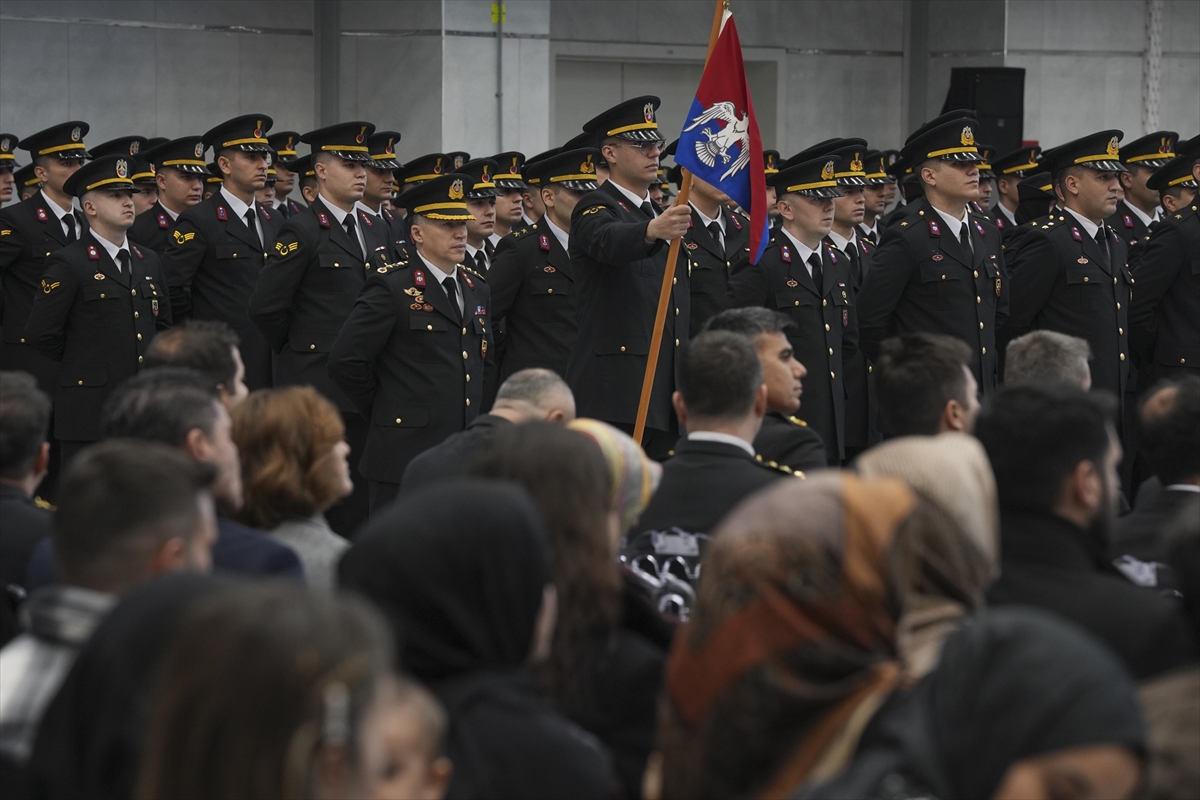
(29, 232)
(803, 276)
(481, 201)
(411, 355)
(510, 183)
(378, 222)
(875, 191)
(8, 165)
(941, 268)
(1138, 208)
(1011, 169)
(283, 145)
(179, 172)
(771, 162)
(219, 246)
(1165, 320)
(785, 441)
(26, 183)
(316, 268)
(618, 249)
(532, 281)
(102, 300)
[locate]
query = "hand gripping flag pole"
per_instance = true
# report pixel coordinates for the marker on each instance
(664, 294)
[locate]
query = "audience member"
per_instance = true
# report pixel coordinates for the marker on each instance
(600, 676)
(24, 459)
(129, 510)
(527, 395)
(206, 345)
(1044, 356)
(925, 386)
(264, 692)
(462, 572)
(1054, 451)
(784, 438)
(404, 744)
(943, 565)
(1022, 705)
(790, 646)
(1170, 442)
(181, 408)
(294, 467)
(91, 738)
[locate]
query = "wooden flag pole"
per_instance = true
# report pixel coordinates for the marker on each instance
(664, 294)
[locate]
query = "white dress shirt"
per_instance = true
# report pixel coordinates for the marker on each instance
(113, 249)
(724, 438)
(60, 212)
(562, 236)
(341, 215)
(802, 250)
(439, 275)
(239, 209)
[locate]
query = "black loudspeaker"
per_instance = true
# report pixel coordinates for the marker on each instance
(998, 96)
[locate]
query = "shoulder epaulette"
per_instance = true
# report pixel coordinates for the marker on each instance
(798, 421)
(775, 465)
(903, 224)
(395, 266)
(473, 271)
(523, 231)
(43, 504)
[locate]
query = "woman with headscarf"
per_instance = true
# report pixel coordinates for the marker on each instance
(790, 648)
(462, 573)
(1022, 705)
(604, 678)
(943, 566)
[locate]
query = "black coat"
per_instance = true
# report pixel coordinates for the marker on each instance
(826, 326)
(153, 228)
(701, 483)
(860, 379)
(452, 458)
(1164, 324)
(1128, 224)
(289, 207)
(921, 281)
(533, 293)
(617, 282)
(709, 265)
(29, 233)
(98, 323)
(305, 292)
(380, 234)
(1052, 564)
(212, 266)
(24, 526)
(1142, 533)
(1060, 282)
(789, 442)
(410, 367)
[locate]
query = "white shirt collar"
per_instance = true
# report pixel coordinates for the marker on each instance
(1145, 218)
(802, 250)
(637, 201)
(239, 208)
(1000, 208)
(724, 438)
(170, 213)
(952, 223)
(112, 249)
(471, 251)
(1182, 487)
(525, 217)
(706, 220)
(840, 242)
(439, 273)
(360, 205)
(562, 236)
(1087, 224)
(58, 210)
(871, 231)
(494, 238)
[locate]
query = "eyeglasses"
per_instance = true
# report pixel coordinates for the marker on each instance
(646, 147)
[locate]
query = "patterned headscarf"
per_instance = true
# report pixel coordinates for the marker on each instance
(635, 476)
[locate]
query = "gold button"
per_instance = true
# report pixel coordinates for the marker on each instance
(102, 295)
(398, 420)
(981, 326)
(133, 292)
(139, 337)
(22, 341)
(1118, 306)
(1120, 331)
(468, 401)
(728, 264)
(622, 348)
(549, 291)
(464, 333)
(139, 359)
(797, 302)
(1114, 281)
(235, 255)
(677, 343)
(832, 376)
(312, 347)
(674, 281)
(831, 351)
(978, 299)
(870, 369)
(135, 315)
(428, 327)
(1183, 361)
(1122, 356)
(976, 273)
(1085, 278)
(823, 303)
(943, 277)
(826, 326)
(677, 312)
(464, 355)
(984, 351)
(468, 377)
(336, 264)
(81, 383)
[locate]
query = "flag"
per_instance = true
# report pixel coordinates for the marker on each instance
(720, 142)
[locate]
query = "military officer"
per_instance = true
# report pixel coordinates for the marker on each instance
(411, 355)
(456, 159)
(283, 145)
(1010, 169)
(771, 162)
(219, 245)
(532, 209)
(29, 232)
(481, 200)
(306, 176)
(511, 187)
(265, 196)
(1069, 271)
(8, 165)
(987, 178)
(803, 276)
(214, 181)
(875, 191)
(26, 183)
(179, 171)
(532, 281)
(1138, 209)
(940, 269)
(1175, 185)
(101, 300)
(417, 171)
(379, 225)
(1036, 193)
(1165, 320)
(618, 249)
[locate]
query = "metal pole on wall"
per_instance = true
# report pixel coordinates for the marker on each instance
(1151, 66)
(498, 14)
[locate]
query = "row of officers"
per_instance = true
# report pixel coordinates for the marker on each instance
(407, 292)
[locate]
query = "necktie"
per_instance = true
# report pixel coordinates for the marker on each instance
(647, 209)
(814, 261)
(451, 287)
(123, 261)
(1102, 243)
(964, 238)
(69, 221)
(352, 232)
(481, 261)
(855, 262)
(715, 229)
(253, 229)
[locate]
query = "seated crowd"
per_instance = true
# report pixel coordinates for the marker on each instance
(970, 609)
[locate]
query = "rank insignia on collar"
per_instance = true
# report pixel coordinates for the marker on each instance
(829, 252)
(736, 223)
(1082, 260)
(792, 283)
(937, 256)
(549, 269)
(480, 311)
(419, 278)
(785, 253)
(1000, 222)
(934, 230)
(42, 215)
(136, 252)
(978, 227)
(622, 205)
(1075, 234)
(222, 214)
(544, 242)
(366, 218)
(93, 253)
(467, 278)
(1128, 220)
(323, 218)
(163, 222)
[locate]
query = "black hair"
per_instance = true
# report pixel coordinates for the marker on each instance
(1036, 434)
(204, 345)
(24, 423)
(719, 375)
(751, 322)
(917, 376)
(162, 405)
(1171, 436)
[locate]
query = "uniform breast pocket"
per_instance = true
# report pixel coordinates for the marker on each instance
(945, 282)
(430, 334)
(102, 303)
(549, 284)
(793, 298)
(240, 255)
(42, 248)
(1087, 287)
(334, 261)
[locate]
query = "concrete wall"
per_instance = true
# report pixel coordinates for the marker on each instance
(817, 68)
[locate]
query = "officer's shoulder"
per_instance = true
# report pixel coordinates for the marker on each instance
(523, 232)
(777, 468)
(594, 202)
(473, 271)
